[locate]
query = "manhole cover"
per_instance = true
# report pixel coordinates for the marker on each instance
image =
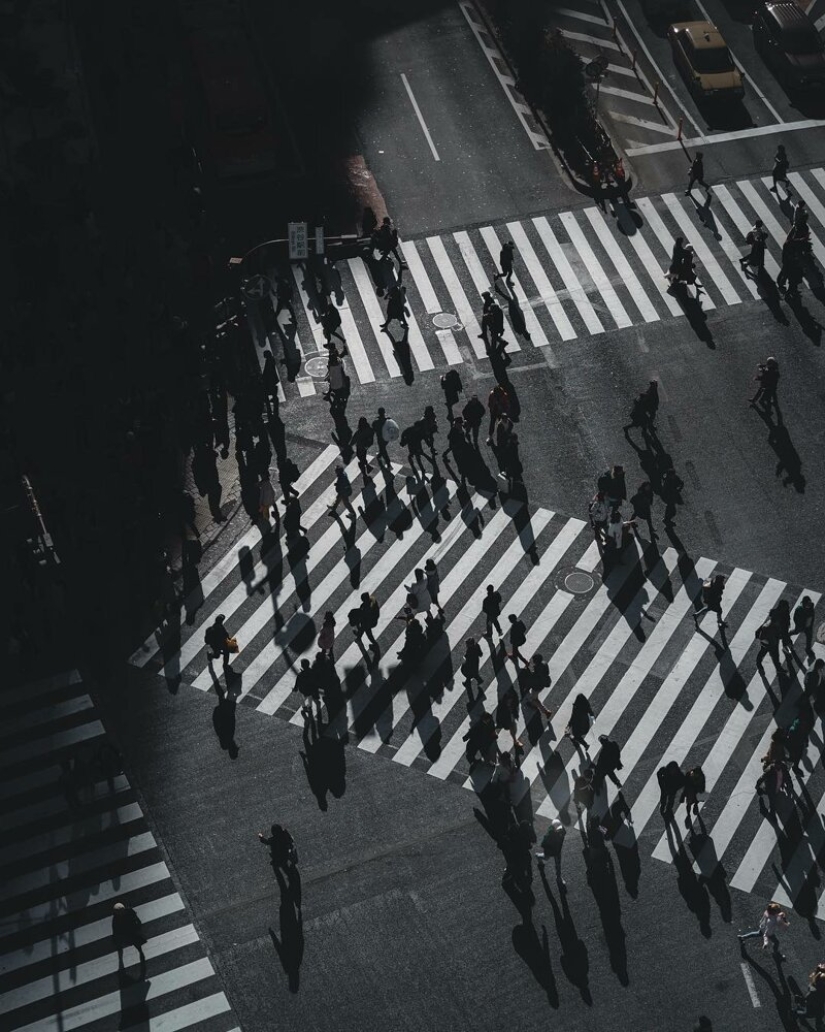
(316, 367)
(445, 321)
(579, 583)
(820, 634)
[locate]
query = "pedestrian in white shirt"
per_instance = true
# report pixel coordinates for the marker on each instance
(772, 921)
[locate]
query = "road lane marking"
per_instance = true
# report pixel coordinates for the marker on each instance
(749, 984)
(420, 117)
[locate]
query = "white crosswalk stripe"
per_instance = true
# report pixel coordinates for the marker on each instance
(572, 273)
(70, 850)
(661, 686)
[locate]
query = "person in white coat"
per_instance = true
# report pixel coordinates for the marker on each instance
(772, 921)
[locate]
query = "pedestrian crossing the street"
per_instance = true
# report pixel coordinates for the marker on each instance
(74, 843)
(578, 274)
(659, 685)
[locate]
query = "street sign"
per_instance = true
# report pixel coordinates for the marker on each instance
(319, 239)
(298, 241)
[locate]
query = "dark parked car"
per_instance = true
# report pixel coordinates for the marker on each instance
(788, 42)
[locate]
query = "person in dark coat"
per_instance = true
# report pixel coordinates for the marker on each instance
(671, 782)
(609, 761)
(127, 930)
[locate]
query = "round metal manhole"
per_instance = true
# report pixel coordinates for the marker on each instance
(445, 321)
(578, 583)
(316, 367)
(820, 634)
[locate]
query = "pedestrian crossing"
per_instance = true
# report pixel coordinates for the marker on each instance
(660, 687)
(578, 274)
(75, 842)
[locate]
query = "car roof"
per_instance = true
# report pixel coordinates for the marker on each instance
(786, 14)
(702, 34)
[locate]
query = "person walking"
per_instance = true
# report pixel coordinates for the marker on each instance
(331, 323)
(292, 519)
(598, 513)
(498, 404)
(581, 720)
(768, 637)
(343, 492)
(470, 664)
(284, 297)
(266, 498)
(696, 174)
(326, 636)
(491, 608)
(411, 439)
(362, 440)
(781, 616)
(518, 637)
(368, 613)
(452, 387)
(507, 714)
(396, 307)
(456, 443)
(767, 376)
(671, 492)
(473, 414)
(694, 786)
(218, 641)
(127, 930)
(505, 263)
(757, 241)
(385, 430)
(803, 622)
(642, 508)
(288, 475)
(338, 390)
(584, 792)
(608, 761)
(800, 216)
(283, 852)
(712, 590)
(551, 847)
(433, 583)
(773, 920)
(418, 597)
(306, 684)
(779, 172)
(814, 683)
(671, 782)
(428, 428)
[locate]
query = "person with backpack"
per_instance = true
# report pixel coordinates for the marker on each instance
(584, 791)
(694, 787)
(551, 847)
(491, 608)
(452, 387)
(338, 380)
(712, 590)
(473, 414)
(369, 612)
(535, 680)
(518, 637)
(385, 430)
(418, 597)
(671, 782)
(481, 739)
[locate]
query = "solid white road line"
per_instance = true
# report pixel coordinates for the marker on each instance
(542, 283)
(432, 306)
(578, 294)
(737, 216)
(750, 985)
(455, 633)
(374, 314)
(463, 308)
(419, 116)
(538, 338)
(703, 252)
(596, 271)
(705, 702)
(481, 281)
(621, 264)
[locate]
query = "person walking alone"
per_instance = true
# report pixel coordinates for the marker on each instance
(368, 614)
(218, 641)
(803, 622)
(767, 376)
(505, 263)
(473, 414)
(385, 430)
(696, 174)
(470, 665)
(608, 761)
(433, 583)
(780, 171)
(712, 590)
(518, 637)
(396, 307)
(757, 241)
(451, 386)
(773, 920)
(331, 323)
(491, 607)
(343, 492)
(551, 847)
(127, 930)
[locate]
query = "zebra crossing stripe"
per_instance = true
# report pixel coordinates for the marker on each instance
(49, 714)
(357, 704)
(596, 271)
(647, 727)
(312, 314)
(52, 946)
(292, 582)
(621, 264)
(55, 838)
(576, 292)
(521, 598)
(737, 216)
(364, 286)
(355, 346)
(537, 336)
(51, 743)
(623, 630)
(454, 633)
(481, 281)
(464, 310)
(703, 252)
(740, 800)
(229, 562)
(539, 277)
(432, 306)
(276, 697)
(54, 807)
(734, 254)
(45, 686)
(661, 232)
(706, 701)
(810, 198)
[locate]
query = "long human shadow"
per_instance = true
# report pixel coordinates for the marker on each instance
(696, 316)
(602, 881)
(535, 952)
(224, 715)
(290, 945)
(574, 958)
(690, 888)
(810, 326)
(324, 760)
(134, 1008)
